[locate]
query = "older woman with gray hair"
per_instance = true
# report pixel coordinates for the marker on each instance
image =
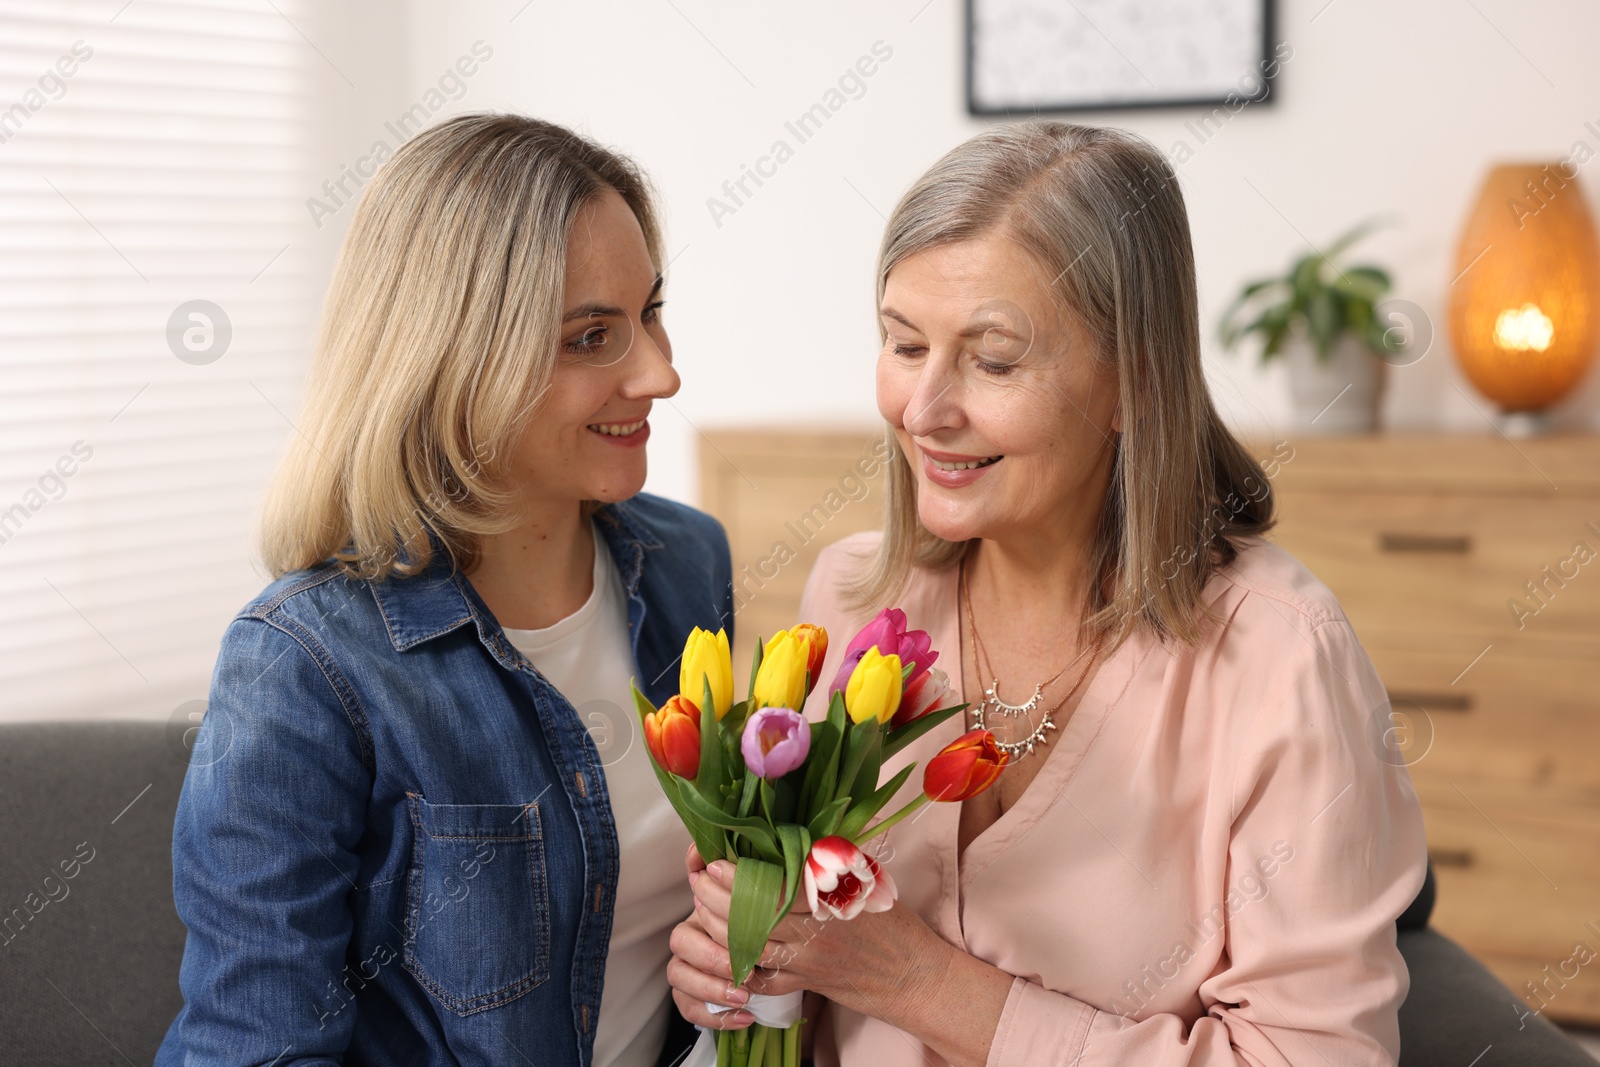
(1197, 852)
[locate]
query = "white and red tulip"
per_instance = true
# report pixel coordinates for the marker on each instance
(842, 881)
(929, 691)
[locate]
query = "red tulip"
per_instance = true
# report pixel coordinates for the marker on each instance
(673, 736)
(964, 768)
(842, 881)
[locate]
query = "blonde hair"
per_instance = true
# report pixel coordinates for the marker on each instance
(438, 341)
(1100, 210)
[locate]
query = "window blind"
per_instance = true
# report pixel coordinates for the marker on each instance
(155, 322)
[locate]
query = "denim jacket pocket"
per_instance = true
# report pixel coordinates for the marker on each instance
(478, 903)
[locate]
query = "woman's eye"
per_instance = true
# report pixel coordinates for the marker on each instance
(592, 341)
(908, 350)
(996, 369)
(652, 313)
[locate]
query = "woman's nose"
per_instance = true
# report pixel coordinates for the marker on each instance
(934, 402)
(650, 370)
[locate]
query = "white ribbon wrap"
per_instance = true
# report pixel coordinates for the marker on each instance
(779, 1012)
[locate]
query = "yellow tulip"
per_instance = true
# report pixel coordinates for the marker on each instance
(706, 658)
(781, 678)
(874, 689)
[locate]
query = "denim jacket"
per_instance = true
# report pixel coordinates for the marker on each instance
(394, 843)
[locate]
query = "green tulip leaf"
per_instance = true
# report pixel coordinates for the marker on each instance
(747, 797)
(901, 736)
(824, 745)
(862, 742)
(755, 667)
(826, 821)
(796, 842)
(752, 912)
(828, 769)
(755, 831)
(857, 818)
(711, 775)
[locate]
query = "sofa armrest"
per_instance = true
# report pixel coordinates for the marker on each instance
(1457, 1009)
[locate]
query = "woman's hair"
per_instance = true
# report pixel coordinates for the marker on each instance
(1101, 212)
(439, 339)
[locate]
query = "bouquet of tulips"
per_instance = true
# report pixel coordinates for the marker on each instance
(787, 801)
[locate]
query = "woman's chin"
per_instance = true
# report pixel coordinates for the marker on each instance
(613, 486)
(950, 525)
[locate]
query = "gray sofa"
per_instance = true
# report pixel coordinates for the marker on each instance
(90, 942)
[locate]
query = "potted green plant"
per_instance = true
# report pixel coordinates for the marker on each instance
(1323, 319)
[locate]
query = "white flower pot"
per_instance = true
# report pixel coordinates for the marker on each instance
(1339, 395)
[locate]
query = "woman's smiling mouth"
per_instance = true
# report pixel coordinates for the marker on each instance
(966, 466)
(616, 429)
(953, 470)
(622, 434)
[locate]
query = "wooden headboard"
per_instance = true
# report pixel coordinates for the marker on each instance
(783, 494)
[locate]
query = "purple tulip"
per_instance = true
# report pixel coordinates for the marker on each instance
(775, 742)
(887, 632)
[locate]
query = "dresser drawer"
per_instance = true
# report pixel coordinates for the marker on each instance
(1521, 893)
(1451, 563)
(1511, 721)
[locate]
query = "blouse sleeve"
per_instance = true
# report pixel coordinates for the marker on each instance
(1312, 974)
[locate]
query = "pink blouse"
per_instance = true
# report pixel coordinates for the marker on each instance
(1209, 865)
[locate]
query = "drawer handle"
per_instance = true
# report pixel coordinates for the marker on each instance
(1459, 544)
(1436, 701)
(1451, 857)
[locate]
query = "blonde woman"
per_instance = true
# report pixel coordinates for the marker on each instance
(1197, 853)
(427, 832)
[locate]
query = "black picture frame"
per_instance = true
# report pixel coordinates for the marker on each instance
(1267, 66)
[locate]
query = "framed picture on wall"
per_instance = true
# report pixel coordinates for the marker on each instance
(1029, 56)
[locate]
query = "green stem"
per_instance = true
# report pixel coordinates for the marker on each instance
(791, 1045)
(882, 825)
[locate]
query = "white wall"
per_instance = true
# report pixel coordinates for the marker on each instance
(1384, 108)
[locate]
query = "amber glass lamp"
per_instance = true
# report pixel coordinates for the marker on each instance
(1523, 308)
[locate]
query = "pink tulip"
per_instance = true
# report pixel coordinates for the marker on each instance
(775, 742)
(928, 693)
(841, 881)
(887, 632)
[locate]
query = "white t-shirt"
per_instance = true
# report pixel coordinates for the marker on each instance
(588, 657)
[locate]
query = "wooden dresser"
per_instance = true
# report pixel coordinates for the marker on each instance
(1428, 541)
